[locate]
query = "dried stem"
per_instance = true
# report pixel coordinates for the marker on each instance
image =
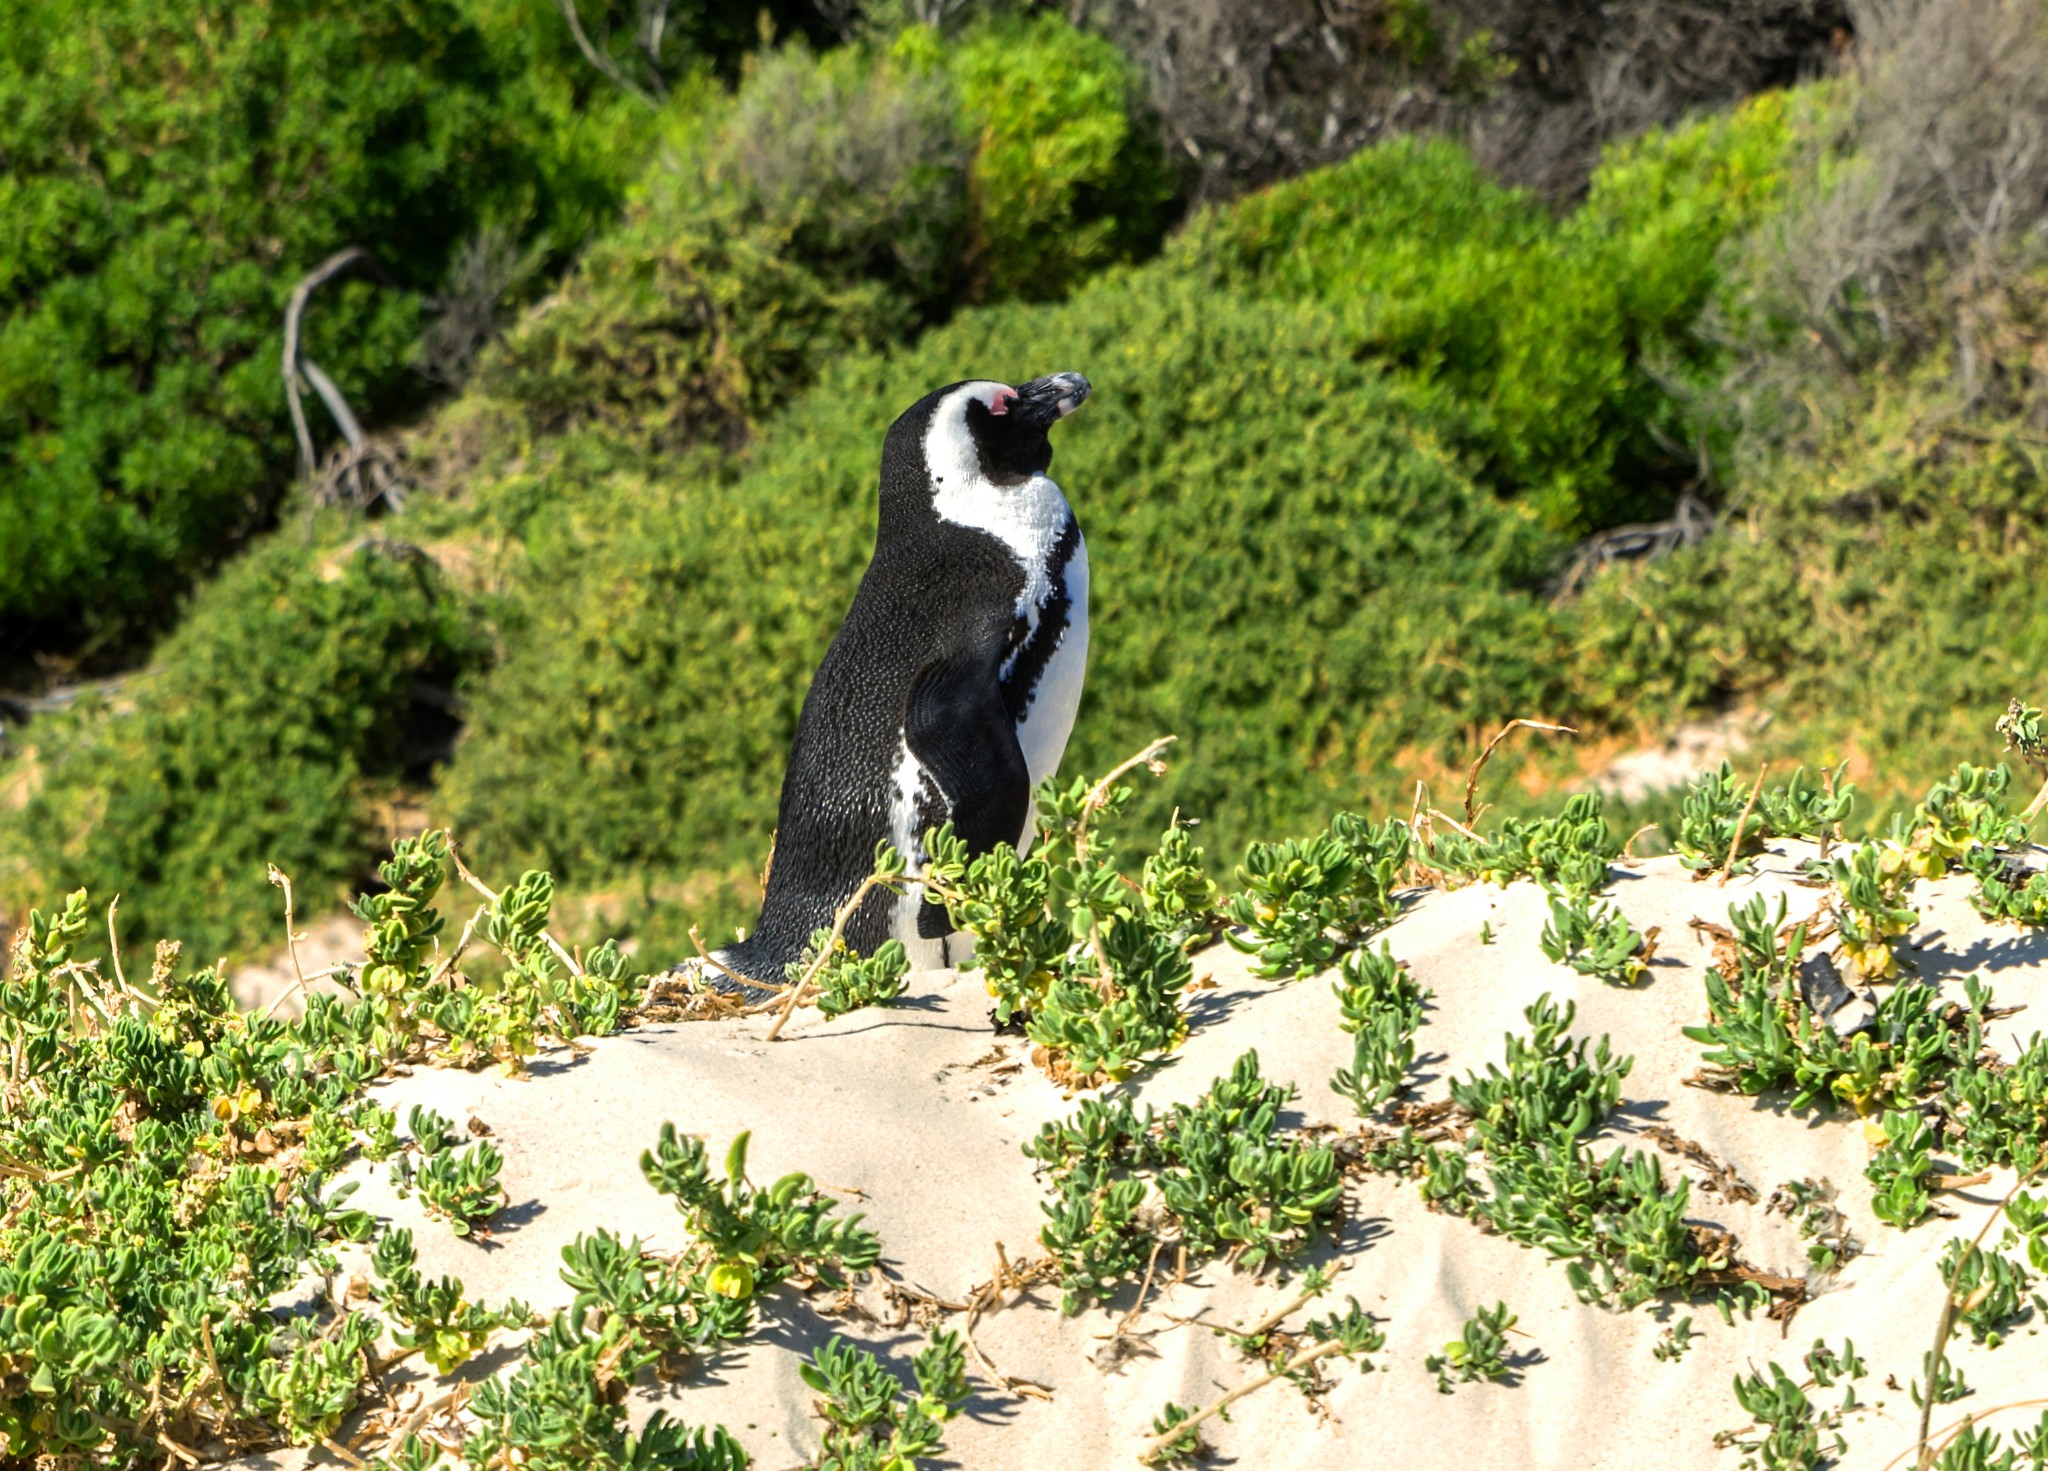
(601, 61)
(1301, 1360)
(1945, 1324)
(291, 944)
(713, 961)
(1098, 795)
(1741, 823)
(1472, 777)
(795, 995)
(447, 967)
(575, 969)
(114, 947)
(294, 359)
(1274, 1320)
(1097, 798)
(1949, 1432)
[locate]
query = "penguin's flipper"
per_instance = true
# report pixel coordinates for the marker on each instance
(960, 730)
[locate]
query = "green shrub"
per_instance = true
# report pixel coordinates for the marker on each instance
(1540, 336)
(172, 171)
(834, 202)
(1878, 598)
(258, 736)
(1064, 180)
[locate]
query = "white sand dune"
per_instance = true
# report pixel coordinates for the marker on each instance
(915, 1114)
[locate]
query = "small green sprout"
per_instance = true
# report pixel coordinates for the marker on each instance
(434, 1317)
(1709, 815)
(1478, 1352)
(1305, 901)
(870, 1424)
(1945, 1382)
(1898, 1171)
(1381, 1009)
(1230, 1181)
(1870, 905)
(431, 1133)
(757, 1236)
(1571, 851)
(1828, 1366)
(1094, 963)
(1596, 942)
(1551, 1088)
(1990, 1290)
(380, 1127)
(461, 1187)
(1791, 1424)
(1674, 1341)
(848, 982)
(1176, 1447)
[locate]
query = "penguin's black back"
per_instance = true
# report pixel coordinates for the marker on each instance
(920, 651)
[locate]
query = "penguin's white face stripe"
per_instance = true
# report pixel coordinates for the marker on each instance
(1026, 518)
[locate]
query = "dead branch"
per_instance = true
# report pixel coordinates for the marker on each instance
(1472, 777)
(301, 372)
(606, 65)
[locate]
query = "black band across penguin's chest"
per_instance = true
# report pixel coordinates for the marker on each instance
(1033, 642)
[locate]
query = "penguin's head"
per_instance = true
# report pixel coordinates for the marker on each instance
(998, 429)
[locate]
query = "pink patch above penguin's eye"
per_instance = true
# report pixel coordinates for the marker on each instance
(1004, 397)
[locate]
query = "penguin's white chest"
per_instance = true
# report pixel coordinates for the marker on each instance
(1047, 668)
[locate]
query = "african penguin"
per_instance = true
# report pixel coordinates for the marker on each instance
(950, 690)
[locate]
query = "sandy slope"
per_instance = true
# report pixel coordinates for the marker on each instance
(919, 1111)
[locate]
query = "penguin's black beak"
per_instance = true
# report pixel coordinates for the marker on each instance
(1043, 400)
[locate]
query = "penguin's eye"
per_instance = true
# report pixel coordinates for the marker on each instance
(1000, 403)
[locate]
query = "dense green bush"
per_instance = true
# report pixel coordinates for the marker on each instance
(262, 736)
(170, 173)
(1878, 596)
(1547, 339)
(835, 202)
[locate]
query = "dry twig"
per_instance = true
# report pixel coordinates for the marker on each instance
(1472, 777)
(1741, 823)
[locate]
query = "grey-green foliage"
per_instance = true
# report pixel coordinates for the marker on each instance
(848, 982)
(1998, 1111)
(1304, 901)
(1381, 1008)
(1230, 1178)
(1551, 1089)
(1095, 962)
(1478, 1352)
(1570, 851)
(459, 1186)
(1594, 940)
(870, 1423)
(126, 1298)
(1788, 1424)
(1709, 817)
(1990, 1288)
(1763, 1035)
(1898, 1171)
(434, 1317)
(557, 1411)
(756, 1235)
